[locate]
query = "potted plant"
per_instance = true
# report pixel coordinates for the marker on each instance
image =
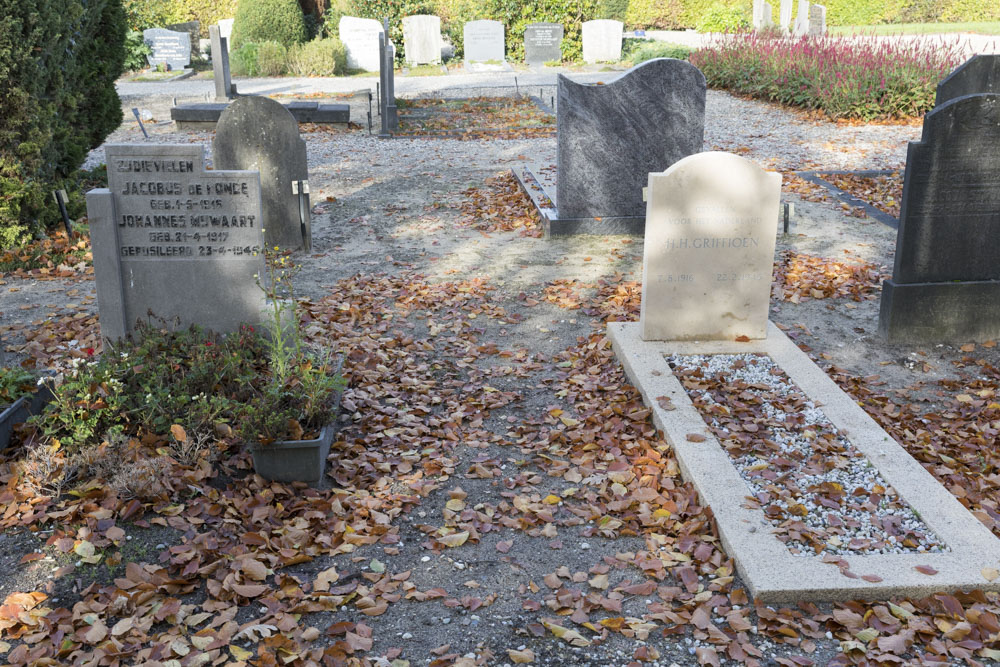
(21, 396)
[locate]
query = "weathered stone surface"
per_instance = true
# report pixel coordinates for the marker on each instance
(611, 137)
(169, 47)
(176, 241)
(543, 43)
(360, 38)
(708, 253)
(422, 39)
(949, 229)
(387, 90)
(259, 134)
(979, 74)
(483, 41)
(602, 41)
(224, 89)
(817, 20)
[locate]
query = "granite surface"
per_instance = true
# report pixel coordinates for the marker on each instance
(259, 134)
(979, 74)
(543, 43)
(611, 137)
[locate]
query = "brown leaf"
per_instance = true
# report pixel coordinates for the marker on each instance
(504, 546)
(180, 435)
(695, 437)
(925, 569)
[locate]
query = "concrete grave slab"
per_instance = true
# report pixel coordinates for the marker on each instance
(770, 571)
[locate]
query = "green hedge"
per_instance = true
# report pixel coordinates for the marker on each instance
(58, 63)
(268, 20)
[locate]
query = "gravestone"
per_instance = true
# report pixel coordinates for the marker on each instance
(602, 41)
(543, 43)
(760, 21)
(785, 15)
(259, 134)
(945, 284)
(979, 74)
(192, 28)
(224, 88)
(817, 21)
(387, 90)
(422, 39)
(483, 41)
(611, 137)
(708, 254)
(226, 27)
(802, 19)
(172, 239)
(360, 38)
(169, 47)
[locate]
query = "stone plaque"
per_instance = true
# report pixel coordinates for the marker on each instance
(422, 39)
(483, 41)
(611, 137)
(708, 254)
(174, 240)
(543, 43)
(360, 38)
(945, 284)
(259, 134)
(817, 20)
(979, 74)
(602, 41)
(169, 47)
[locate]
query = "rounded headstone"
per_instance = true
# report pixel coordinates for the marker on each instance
(259, 134)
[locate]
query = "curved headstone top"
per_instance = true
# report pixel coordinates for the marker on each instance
(610, 137)
(979, 74)
(422, 39)
(258, 134)
(602, 41)
(360, 39)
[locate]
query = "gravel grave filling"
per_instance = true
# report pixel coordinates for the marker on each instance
(819, 492)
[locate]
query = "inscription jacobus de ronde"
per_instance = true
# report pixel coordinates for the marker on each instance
(167, 210)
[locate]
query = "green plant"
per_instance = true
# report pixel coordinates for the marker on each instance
(612, 9)
(656, 14)
(59, 60)
(136, 50)
(15, 382)
(320, 57)
(724, 18)
(243, 60)
(651, 50)
(268, 20)
(271, 58)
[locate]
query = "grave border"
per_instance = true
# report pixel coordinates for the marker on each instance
(772, 574)
(846, 197)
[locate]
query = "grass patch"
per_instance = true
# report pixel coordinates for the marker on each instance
(424, 70)
(843, 77)
(981, 27)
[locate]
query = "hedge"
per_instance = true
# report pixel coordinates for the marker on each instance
(59, 60)
(258, 21)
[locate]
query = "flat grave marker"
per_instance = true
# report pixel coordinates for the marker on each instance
(543, 43)
(175, 242)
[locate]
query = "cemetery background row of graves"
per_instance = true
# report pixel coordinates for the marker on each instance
(497, 491)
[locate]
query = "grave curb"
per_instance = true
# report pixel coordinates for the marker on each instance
(772, 574)
(846, 197)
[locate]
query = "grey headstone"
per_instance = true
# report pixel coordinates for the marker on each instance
(259, 134)
(817, 20)
(945, 285)
(192, 28)
(360, 38)
(758, 15)
(224, 89)
(602, 41)
(543, 43)
(422, 39)
(611, 137)
(172, 239)
(483, 41)
(979, 74)
(169, 47)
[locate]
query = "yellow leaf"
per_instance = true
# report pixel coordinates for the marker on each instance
(963, 398)
(455, 505)
(240, 653)
(661, 514)
(571, 636)
(551, 499)
(569, 421)
(990, 573)
(866, 635)
(200, 642)
(600, 581)
(521, 657)
(455, 539)
(180, 435)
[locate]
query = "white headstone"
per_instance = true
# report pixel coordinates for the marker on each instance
(802, 19)
(785, 15)
(711, 222)
(483, 41)
(602, 41)
(422, 39)
(226, 28)
(360, 39)
(758, 14)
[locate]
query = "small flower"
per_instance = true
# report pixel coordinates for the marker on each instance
(89, 350)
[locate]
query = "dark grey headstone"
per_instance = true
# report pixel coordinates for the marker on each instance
(979, 74)
(224, 89)
(543, 43)
(259, 134)
(172, 239)
(483, 41)
(169, 47)
(192, 28)
(948, 241)
(611, 137)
